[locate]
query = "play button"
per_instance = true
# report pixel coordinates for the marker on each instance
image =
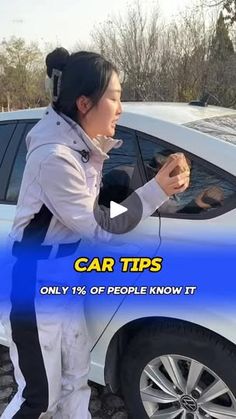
(118, 218)
(116, 209)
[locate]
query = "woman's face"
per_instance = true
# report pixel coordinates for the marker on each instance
(102, 118)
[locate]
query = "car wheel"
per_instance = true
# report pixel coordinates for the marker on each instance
(175, 370)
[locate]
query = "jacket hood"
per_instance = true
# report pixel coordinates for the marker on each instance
(56, 128)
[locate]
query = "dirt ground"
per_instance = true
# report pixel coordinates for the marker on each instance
(103, 404)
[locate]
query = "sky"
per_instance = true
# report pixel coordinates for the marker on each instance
(65, 22)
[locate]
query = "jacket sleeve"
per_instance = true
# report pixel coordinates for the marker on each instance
(65, 193)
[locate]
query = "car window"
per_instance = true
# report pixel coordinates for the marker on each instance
(6, 132)
(209, 189)
(120, 172)
(18, 169)
(124, 155)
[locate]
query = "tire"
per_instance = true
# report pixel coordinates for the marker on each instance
(180, 345)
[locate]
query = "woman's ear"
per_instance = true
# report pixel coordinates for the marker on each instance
(83, 104)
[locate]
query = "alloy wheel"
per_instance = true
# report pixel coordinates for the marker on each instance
(177, 387)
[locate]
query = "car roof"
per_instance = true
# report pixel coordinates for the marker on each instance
(167, 121)
(177, 113)
(35, 113)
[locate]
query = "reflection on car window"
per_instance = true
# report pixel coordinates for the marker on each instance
(18, 169)
(207, 191)
(6, 131)
(124, 155)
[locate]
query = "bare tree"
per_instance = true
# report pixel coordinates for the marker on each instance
(229, 7)
(191, 40)
(132, 43)
(158, 61)
(178, 61)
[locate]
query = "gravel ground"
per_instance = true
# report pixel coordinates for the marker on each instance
(103, 404)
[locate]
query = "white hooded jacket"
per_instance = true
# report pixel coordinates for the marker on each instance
(56, 176)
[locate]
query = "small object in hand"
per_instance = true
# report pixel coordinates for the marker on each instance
(183, 164)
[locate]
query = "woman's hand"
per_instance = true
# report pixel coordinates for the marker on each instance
(173, 184)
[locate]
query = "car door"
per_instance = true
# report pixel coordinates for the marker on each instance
(182, 221)
(128, 156)
(10, 134)
(12, 162)
(124, 160)
(11, 172)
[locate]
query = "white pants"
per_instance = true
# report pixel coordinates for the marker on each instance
(51, 359)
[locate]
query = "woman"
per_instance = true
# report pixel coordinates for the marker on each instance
(66, 151)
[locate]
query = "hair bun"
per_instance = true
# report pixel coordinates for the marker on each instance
(56, 59)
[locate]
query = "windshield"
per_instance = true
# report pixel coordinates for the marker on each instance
(223, 127)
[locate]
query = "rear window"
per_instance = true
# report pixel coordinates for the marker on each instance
(223, 127)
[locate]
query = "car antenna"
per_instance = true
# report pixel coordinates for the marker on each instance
(203, 101)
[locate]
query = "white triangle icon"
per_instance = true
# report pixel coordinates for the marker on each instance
(116, 209)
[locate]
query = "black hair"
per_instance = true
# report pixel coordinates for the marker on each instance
(83, 73)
